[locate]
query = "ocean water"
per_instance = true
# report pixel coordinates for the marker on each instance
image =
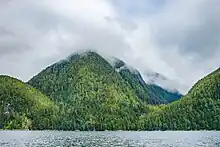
(110, 138)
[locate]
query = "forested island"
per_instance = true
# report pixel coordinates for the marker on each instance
(86, 92)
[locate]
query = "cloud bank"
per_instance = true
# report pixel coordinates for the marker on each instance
(178, 39)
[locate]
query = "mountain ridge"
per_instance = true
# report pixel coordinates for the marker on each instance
(87, 93)
(90, 82)
(198, 110)
(21, 106)
(157, 94)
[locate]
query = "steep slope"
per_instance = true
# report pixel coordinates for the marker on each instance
(199, 109)
(85, 92)
(163, 95)
(150, 93)
(23, 107)
(91, 94)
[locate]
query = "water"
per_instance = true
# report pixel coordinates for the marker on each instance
(119, 138)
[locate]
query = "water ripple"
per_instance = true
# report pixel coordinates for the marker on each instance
(109, 139)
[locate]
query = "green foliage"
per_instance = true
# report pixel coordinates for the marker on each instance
(198, 110)
(85, 92)
(159, 95)
(90, 93)
(23, 107)
(135, 85)
(151, 94)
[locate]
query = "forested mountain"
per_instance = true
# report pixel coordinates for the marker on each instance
(90, 93)
(85, 92)
(150, 93)
(199, 109)
(23, 107)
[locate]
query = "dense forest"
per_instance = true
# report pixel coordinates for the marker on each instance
(198, 110)
(150, 93)
(90, 93)
(23, 107)
(85, 92)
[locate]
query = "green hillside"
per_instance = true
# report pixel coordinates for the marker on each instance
(198, 110)
(23, 107)
(90, 93)
(85, 92)
(152, 94)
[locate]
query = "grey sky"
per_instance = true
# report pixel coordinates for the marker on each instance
(179, 39)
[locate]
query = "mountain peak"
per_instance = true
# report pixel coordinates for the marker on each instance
(82, 53)
(87, 93)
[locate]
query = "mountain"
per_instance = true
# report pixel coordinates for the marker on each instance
(90, 94)
(151, 93)
(85, 92)
(23, 107)
(198, 110)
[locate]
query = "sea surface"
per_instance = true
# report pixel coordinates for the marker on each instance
(109, 138)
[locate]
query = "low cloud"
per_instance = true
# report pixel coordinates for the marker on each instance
(179, 39)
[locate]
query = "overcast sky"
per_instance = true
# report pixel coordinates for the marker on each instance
(177, 38)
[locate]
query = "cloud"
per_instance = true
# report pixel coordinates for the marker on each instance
(47, 31)
(188, 38)
(197, 32)
(179, 39)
